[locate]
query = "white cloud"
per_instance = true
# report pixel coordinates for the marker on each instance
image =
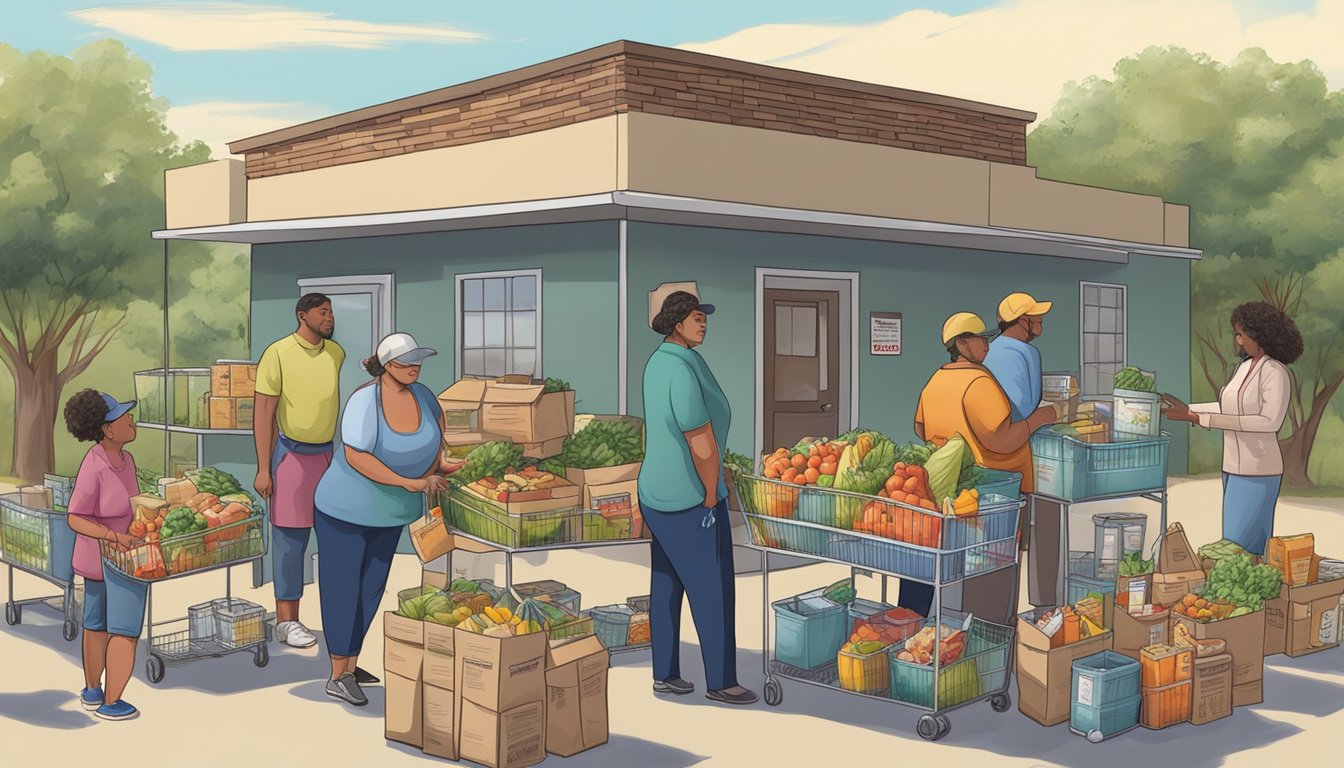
(247, 27)
(1019, 53)
(219, 122)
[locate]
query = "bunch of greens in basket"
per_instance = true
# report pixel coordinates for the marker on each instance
(215, 482)
(737, 463)
(489, 460)
(603, 444)
(148, 480)
(556, 385)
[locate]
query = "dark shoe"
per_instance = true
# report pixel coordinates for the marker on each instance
(736, 695)
(673, 685)
(346, 689)
(365, 678)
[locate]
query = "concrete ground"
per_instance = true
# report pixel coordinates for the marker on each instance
(228, 712)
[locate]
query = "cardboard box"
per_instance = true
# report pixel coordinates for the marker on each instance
(1294, 557)
(233, 378)
(440, 721)
(177, 492)
(403, 665)
(147, 508)
(548, 449)
(1177, 571)
(439, 652)
(231, 412)
(1212, 696)
(456, 445)
(605, 476)
(1248, 694)
(576, 697)
(1137, 591)
(560, 497)
(1245, 638)
(512, 739)
(1303, 620)
(1169, 588)
(500, 673)
(616, 501)
(1134, 633)
(518, 412)
(1044, 674)
(37, 497)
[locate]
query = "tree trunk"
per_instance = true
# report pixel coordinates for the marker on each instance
(1297, 446)
(35, 406)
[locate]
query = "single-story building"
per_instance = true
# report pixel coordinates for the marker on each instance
(518, 223)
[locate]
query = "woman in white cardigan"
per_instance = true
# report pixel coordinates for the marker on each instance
(1250, 412)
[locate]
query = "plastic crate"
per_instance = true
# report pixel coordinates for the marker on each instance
(809, 630)
(868, 674)
(861, 610)
(999, 482)
(1099, 723)
(1082, 581)
(239, 623)
(37, 539)
(1166, 706)
(818, 506)
(582, 626)
(1116, 535)
(201, 622)
(551, 591)
(611, 624)
(639, 603)
(982, 668)
(1104, 678)
(61, 488)
(1069, 469)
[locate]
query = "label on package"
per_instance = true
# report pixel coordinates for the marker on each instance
(1052, 626)
(1133, 538)
(1138, 594)
(1157, 634)
(1085, 690)
(1330, 625)
(1110, 543)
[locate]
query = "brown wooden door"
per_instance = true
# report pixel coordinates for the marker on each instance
(802, 366)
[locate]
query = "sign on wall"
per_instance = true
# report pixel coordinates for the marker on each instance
(884, 331)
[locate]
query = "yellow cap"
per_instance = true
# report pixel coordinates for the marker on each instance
(962, 322)
(1017, 305)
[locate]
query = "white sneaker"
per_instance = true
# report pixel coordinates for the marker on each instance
(294, 634)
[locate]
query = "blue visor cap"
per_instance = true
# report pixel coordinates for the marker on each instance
(708, 309)
(115, 409)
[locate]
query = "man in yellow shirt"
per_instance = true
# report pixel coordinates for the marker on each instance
(297, 404)
(963, 398)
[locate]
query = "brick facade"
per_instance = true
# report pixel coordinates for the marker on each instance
(628, 77)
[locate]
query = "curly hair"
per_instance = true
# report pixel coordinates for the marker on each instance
(85, 414)
(373, 367)
(1271, 328)
(676, 308)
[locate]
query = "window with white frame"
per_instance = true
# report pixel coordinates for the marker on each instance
(1103, 336)
(499, 324)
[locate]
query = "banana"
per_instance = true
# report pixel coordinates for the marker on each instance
(504, 613)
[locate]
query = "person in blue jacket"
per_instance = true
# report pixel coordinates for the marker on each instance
(683, 497)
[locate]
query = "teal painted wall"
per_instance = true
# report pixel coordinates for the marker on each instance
(926, 284)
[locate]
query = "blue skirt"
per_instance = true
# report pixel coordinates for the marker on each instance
(1248, 510)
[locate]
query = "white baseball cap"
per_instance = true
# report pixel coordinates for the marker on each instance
(402, 348)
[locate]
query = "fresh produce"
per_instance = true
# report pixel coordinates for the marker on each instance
(1237, 580)
(526, 480)
(868, 477)
(945, 466)
(919, 648)
(908, 484)
(888, 628)
(429, 603)
(1203, 610)
(916, 454)
(182, 521)
(533, 615)
(492, 459)
(970, 477)
(1133, 564)
(603, 444)
(840, 593)
(920, 528)
(216, 482)
(1134, 380)
(148, 480)
(808, 465)
(737, 463)
(556, 385)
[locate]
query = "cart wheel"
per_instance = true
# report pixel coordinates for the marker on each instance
(944, 725)
(154, 668)
(70, 631)
(1001, 702)
(928, 728)
(1096, 737)
(261, 657)
(13, 614)
(774, 694)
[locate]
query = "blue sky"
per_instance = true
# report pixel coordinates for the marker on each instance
(257, 86)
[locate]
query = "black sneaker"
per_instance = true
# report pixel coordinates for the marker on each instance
(365, 678)
(736, 695)
(673, 685)
(346, 689)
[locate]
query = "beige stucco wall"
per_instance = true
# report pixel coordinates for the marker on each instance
(205, 195)
(574, 160)
(1178, 225)
(1020, 200)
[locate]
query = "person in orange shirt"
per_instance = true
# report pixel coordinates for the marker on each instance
(964, 398)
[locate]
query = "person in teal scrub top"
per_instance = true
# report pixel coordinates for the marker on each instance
(684, 501)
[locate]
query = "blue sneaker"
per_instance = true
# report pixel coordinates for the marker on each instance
(91, 699)
(117, 710)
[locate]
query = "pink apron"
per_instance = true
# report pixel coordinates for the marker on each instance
(296, 469)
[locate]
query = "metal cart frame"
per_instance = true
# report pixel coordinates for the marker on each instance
(70, 606)
(177, 648)
(1155, 495)
(931, 726)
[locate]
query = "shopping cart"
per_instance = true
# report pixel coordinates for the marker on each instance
(40, 543)
(240, 626)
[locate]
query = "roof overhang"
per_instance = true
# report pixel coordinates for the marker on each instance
(668, 209)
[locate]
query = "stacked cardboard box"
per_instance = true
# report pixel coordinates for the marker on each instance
(514, 408)
(1178, 572)
(438, 698)
(233, 387)
(1305, 619)
(1165, 674)
(1044, 669)
(1244, 637)
(500, 699)
(403, 670)
(1139, 622)
(576, 696)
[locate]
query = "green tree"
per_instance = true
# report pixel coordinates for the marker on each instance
(208, 319)
(1256, 148)
(83, 149)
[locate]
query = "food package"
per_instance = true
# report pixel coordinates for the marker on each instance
(920, 647)
(1204, 649)
(178, 493)
(38, 497)
(1294, 557)
(1162, 665)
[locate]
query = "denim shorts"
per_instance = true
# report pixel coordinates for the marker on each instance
(115, 605)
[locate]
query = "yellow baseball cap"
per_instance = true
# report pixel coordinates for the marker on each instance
(1017, 305)
(962, 322)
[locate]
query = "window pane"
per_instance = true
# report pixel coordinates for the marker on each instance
(1117, 297)
(524, 329)
(783, 330)
(1108, 321)
(1090, 347)
(805, 331)
(494, 329)
(1091, 319)
(524, 361)
(473, 329)
(1089, 379)
(1119, 351)
(472, 295)
(473, 362)
(494, 293)
(495, 364)
(525, 292)
(1090, 296)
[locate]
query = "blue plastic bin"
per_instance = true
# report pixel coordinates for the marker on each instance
(809, 630)
(37, 539)
(1104, 678)
(1069, 469)
(1101, 723)
(1000, 482)
(1082, 579)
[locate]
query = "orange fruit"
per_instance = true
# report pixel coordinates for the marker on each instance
(812, 474)
(799, 461)
(788, 475)
(799, 480)
(814, 462)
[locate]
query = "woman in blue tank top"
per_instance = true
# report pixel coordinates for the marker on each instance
(390, 459)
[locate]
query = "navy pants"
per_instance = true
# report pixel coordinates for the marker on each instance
(916, 596)
(355, 562)
(690, 560)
